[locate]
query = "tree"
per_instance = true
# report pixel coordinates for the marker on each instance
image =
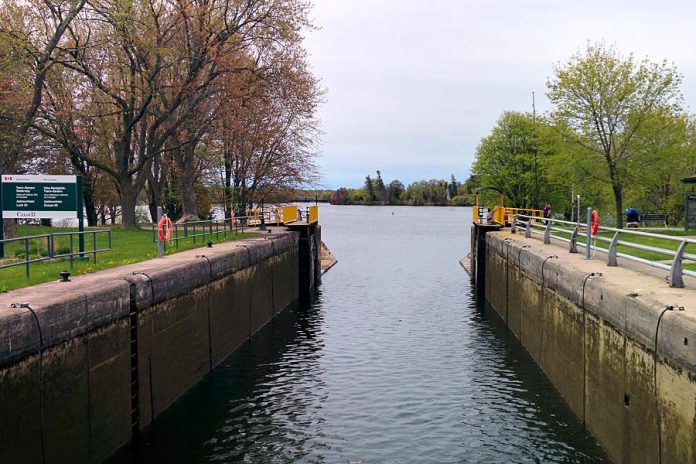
(395, 192)
(453, 186)
(506, 158)
(380, 189)
(370, 194)
(602, 100)
(269, 131)
(665, 152)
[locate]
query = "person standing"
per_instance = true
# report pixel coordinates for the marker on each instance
(547, 210)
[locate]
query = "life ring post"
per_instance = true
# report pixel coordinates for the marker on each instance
(164, 231)
(160, 245)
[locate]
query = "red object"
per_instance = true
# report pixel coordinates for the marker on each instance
(164, 222)
(594, 223)
(232, 221)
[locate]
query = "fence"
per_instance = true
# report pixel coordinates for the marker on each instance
(551, 228)
(206, 229)
(50, 241)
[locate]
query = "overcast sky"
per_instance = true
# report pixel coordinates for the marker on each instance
(413, 85)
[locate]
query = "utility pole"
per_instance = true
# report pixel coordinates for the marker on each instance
(536, 169)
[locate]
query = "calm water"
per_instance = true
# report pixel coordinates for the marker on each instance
(393, 362)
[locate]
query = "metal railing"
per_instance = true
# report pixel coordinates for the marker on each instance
(551, 228)
(206, 229)
(50, 247)
(209, 228)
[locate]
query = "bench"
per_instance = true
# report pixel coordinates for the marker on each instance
(653, 217)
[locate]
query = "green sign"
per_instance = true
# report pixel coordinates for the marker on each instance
(690, 222)
(39, 197)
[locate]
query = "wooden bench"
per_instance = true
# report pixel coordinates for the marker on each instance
(653, 217)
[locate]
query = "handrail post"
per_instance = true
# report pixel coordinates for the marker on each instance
(513, 227)
(26, 254)
(72, 251)
(675, 278)
(588, 236)
(611, 257)
(528, 229)
(574, 240)
(49, 245)
(160, 245)
(547, 233)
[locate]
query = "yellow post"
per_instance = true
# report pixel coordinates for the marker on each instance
(313, 214)
(289, 214)
(476, 209)
(499, 213)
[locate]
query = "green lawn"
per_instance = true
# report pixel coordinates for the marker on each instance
(128, 246)
(648, 241)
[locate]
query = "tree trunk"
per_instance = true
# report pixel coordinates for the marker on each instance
(129, 197)
(90, 206)
(152, 200)
(9, 229)
(618, 198)
(228, 189)
(187, 177)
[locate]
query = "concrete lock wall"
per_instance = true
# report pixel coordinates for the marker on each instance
(89, 363)
(595, 338)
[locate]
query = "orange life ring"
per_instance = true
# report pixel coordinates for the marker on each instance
(164, 222)
(594, 222)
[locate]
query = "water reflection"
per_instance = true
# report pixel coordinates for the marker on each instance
(393, 361)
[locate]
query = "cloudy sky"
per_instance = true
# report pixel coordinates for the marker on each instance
(413, 85)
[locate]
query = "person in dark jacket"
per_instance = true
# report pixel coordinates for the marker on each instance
(632, 216)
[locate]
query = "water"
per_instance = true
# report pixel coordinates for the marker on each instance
(393, 362)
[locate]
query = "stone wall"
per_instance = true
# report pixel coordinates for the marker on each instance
(85, 365)
(595, 336)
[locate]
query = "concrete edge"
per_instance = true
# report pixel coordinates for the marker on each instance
(54, 312)
(632, 312)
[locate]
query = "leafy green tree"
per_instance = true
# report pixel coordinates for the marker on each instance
(665, 153)
(602, 101)
(506, 159)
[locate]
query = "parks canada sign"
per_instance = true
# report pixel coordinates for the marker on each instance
(39, 197)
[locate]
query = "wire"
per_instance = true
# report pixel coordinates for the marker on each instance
(657, 399)
(41, 398)
(584, 345)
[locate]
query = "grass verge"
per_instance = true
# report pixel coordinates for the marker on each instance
(128, 246)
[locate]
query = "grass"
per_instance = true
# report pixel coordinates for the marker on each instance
(128, 246)
(647, 241)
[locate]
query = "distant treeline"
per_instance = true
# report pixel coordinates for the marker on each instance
(434, 192)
